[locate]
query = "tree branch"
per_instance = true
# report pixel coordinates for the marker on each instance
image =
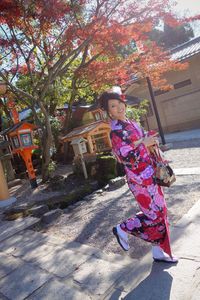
(13, 49)
(16, 90)
(26, 59)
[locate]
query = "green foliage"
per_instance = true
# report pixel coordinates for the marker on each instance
(172, 36)
(56, 94)
(126, 50)
(106, 168)
(5, 121)
(51, 167)
(37, 152)
(103, 169)
(137, 112)
(55, 126)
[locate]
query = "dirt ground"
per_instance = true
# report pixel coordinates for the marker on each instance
(90, 222)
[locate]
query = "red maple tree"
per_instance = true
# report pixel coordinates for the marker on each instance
(81, 40)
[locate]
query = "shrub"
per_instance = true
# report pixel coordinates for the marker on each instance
(106, 168)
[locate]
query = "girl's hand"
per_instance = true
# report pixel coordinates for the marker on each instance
(150, 141)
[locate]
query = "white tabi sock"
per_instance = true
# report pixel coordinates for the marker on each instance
(158, 252)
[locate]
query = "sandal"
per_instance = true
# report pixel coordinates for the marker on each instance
(121, 237)
(171, 260)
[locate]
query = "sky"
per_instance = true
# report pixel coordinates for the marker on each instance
(191, 7)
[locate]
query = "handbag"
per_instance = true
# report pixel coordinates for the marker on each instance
(164, 175)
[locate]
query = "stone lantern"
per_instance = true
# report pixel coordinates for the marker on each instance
(21, 138)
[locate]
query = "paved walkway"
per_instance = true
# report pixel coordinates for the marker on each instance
(187, 171)
(182, 136)
(169, 282)
(36, 266)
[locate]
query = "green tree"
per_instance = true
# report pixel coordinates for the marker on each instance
(76, 40)
(170, 36)
(136, 112)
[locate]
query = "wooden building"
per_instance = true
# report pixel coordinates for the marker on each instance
(93, 127)
(179, 108)
(96, 134)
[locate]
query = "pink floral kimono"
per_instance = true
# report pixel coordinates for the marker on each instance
(150, 224)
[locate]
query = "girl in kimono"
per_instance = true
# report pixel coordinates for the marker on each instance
(131, 147)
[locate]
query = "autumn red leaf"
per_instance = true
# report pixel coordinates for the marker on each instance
(100, 43)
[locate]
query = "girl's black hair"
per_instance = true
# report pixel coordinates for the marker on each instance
(103, 99)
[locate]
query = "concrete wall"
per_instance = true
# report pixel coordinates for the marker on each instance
(179, 109)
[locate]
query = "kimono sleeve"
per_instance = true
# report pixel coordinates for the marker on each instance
(123, 145)
(135, 158)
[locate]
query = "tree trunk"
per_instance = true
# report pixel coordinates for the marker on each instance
(1, 123)
(66, 149)
(47, 140)
(46, 156)
(67, 121)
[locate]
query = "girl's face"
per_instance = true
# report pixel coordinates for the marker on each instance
(116, 109)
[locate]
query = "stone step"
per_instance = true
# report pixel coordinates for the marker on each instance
(28, 238)
(10, 228)
(55, 289)
(81, 267)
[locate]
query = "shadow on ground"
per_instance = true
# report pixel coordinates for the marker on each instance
(157, 285)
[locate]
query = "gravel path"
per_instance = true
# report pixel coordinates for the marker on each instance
(185, 154)
(90, 222)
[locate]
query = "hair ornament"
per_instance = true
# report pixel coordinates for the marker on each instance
(123, 97)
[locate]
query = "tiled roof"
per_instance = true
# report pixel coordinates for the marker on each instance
(186, 50)
(12, 128)
(94, 106)
(25, 113)
(132, 100)
(83, 129)
(16, 126)
(178, 53)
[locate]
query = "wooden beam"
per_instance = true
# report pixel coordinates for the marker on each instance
(90, 145)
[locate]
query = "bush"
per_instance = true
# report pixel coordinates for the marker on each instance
(120, 170)
(101, 168)
(107, 169)
(90, 163)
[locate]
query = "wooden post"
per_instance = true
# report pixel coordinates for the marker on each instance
(83, 163)
(156, 111)
(90, 145)
(109, 141)
(4, 194)
(7, 165)
(5, 198)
